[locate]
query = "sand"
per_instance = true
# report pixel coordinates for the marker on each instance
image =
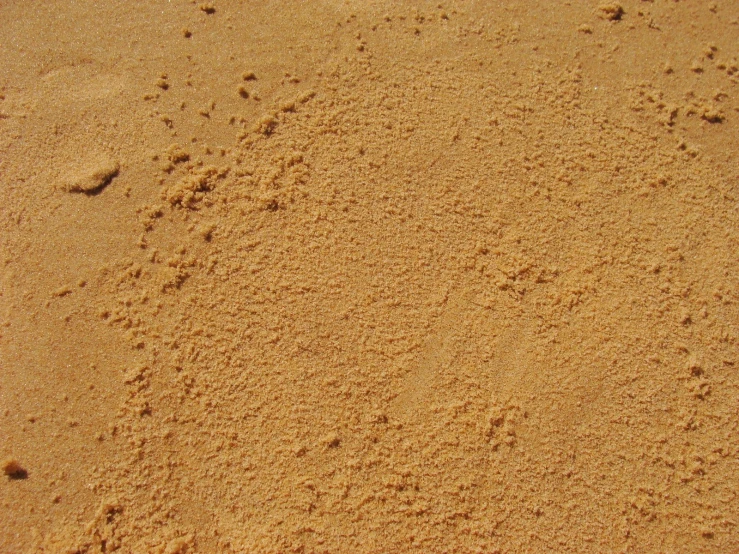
(369, 276)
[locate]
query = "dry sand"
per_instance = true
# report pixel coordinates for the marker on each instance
(369, 276)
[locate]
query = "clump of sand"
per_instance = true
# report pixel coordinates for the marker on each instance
(13, 469)
(90, 175)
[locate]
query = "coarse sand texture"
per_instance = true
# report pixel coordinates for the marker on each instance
(369, 277)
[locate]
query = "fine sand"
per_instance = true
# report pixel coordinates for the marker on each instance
(369, 276)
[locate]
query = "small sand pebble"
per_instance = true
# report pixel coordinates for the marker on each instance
(93, 176)
(331, 440)
(206, 231)
(612, 11)
(179, 545)
(710, 114)
(14, 469)
(62, 291)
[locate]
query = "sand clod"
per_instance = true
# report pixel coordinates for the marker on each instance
(613, 11)
(92, 176)
(13, 469)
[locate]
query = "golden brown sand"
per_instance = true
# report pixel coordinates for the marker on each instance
(369, 276)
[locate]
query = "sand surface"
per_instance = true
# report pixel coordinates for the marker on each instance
(369, 276)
